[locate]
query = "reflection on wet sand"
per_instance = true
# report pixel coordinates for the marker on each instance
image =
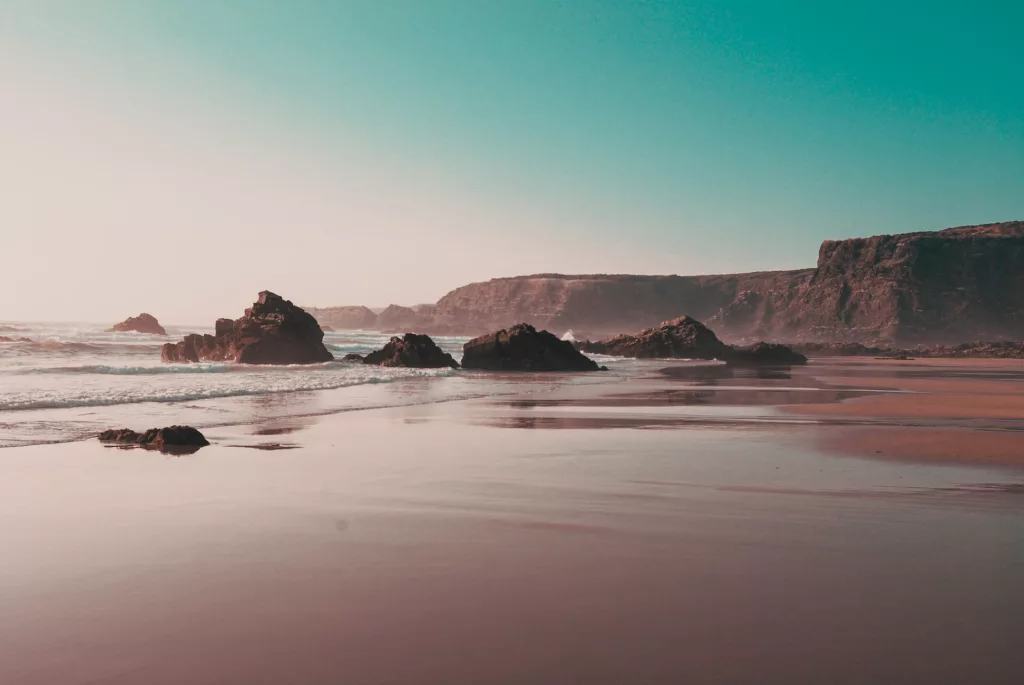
(426, 544)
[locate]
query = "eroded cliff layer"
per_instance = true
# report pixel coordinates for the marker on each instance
(949, 286)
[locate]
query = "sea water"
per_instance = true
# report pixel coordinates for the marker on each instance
(75, 378)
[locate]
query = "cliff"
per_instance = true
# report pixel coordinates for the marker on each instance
(345, 318)
(949, 286)
(594, 306)
(943, 287)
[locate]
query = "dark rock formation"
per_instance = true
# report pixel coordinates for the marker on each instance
(523, 348)
(766, 353)
(412, 350)
(1004, 349)
(840, 350)
(352, 357)
(682, 338)
(345, 318)
(687, 338)
(143, 323)
(988, 350)
(273, 331)
(170, 439)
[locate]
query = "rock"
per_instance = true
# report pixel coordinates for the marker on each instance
(414, 351)
(353, 357)
(188, 349)
(143, 323)
(766, 353)
(682, 338)
(125, 435)
(839, 350)
(170, 439)
(523, 348)
(273, 331)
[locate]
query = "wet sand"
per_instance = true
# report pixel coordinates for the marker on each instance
(969, 411)
(705, 526)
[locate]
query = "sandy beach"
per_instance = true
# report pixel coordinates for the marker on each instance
(663, 525)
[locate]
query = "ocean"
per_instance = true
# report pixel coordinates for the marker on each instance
(75, 379)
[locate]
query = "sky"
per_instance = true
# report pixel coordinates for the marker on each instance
(178, 157)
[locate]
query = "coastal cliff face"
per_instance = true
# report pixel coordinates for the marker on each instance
(593, 306)
(949, 286)
(345, 318)
(944, 287)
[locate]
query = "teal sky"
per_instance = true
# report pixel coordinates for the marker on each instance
(388, 151)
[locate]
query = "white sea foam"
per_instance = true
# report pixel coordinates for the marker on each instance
(82, 365)
(104, 369)
(257, 383)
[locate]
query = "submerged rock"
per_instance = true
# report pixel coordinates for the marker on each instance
(273, 331)
(353, 357)
(524, 348)
(414, 351)
(682, 338)
(169, 439)
(125, 435)
(766, 353)
(143, 323)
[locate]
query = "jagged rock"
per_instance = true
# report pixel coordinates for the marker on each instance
(412, 350)
(766, 353)
(169, 439)
(273, 331)
(682, 338)
(125, 435)
(524, 348)
(143, 323)
(353, 357)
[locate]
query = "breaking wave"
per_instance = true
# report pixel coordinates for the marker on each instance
(138, 370)
(260, 384)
